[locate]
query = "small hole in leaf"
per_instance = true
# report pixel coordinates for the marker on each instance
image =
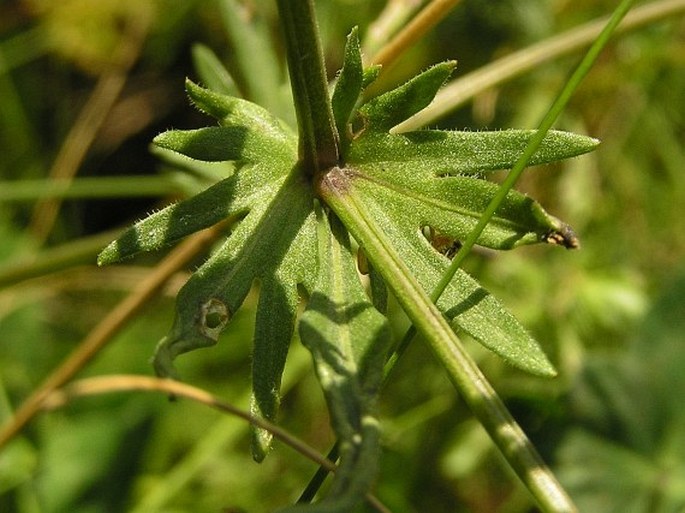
(214, 320)
(215, 316)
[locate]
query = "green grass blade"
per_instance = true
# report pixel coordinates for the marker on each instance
(535, 141)
(91, 188)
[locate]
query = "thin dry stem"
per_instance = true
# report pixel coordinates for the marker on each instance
(126, 383)
(108, 328)
(91, 119)
(424, 21)
(460, 91)
(389, 22)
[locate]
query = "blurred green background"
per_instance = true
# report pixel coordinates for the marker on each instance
(611, 315)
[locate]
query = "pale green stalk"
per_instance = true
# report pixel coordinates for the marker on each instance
(318, 135)
(461, 369)
(91, 188)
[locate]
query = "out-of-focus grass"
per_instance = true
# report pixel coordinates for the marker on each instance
(598, 304)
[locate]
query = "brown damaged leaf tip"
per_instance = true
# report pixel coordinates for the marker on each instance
(565, 237)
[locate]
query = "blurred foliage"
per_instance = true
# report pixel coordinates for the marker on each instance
(610, 315)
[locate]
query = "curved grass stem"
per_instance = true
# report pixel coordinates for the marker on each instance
(107, 329)
(125, 383)
(90, 188)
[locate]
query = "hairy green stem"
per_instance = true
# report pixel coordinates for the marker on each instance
(318, 135)
(462, 370)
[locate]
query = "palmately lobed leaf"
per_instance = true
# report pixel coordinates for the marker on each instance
(273, 241)
(231, 197)
(470, 307)
(220, 144)
(422, 178)
(453, 206)
(275, 244)
(264, 151)
(397, 184)
(408, 181)
(231, 111)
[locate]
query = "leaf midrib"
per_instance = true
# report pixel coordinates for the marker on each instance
(517, 227)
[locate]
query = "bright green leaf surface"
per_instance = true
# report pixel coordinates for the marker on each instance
(232, 196)
(390, 109)
(274, 243)
(349, 84)
(232, 111)
(217, 144)
(453, 206)
(441, 152)
(248, 134)
(470, 306)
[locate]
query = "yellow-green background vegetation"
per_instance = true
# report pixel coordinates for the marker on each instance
(610, 315)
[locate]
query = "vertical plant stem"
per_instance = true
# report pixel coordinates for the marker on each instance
(318, 135)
